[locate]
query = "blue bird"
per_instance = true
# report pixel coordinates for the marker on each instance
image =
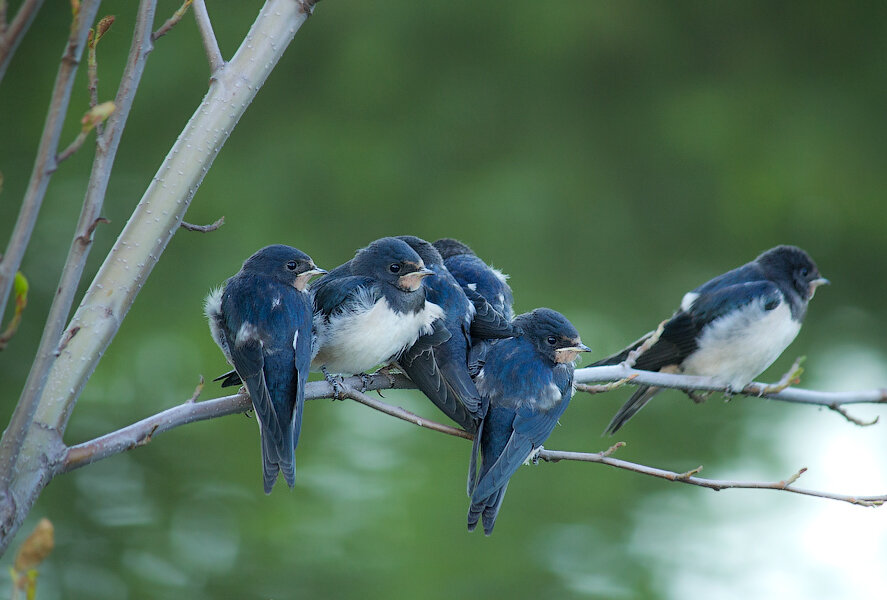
(370, 309)
(529, 382)
(731, 328)
(262, 320)
(485, 286)
(440, 371)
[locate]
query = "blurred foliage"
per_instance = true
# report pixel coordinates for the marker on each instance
(609, 155)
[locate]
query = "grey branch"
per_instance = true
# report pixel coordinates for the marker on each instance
(692, 382)
(172, 21)
(11, 36)
(44, 165)
(144, 431)
(210, 44)
(48, 351)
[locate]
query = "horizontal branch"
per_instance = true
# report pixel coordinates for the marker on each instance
(139, 434)
(693, 382)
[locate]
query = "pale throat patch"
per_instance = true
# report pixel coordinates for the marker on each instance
(565, 356)
(411, 281)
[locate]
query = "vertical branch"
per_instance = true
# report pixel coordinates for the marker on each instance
(139, 246)
(11, 36)
(106, 150)
(44, 165)
(210, 44)
(45, 162)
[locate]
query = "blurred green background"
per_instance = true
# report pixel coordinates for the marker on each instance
(609, 156)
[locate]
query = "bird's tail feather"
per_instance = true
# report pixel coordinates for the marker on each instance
(473, 474)
(637, 401)
(486, 511)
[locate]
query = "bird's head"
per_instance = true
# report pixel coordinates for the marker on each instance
(285, 264)
(552, 334)
(794, 266)
(393, 261)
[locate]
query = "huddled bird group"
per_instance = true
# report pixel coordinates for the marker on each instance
(444, 318)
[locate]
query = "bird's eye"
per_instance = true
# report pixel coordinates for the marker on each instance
(804, 271)
(551, 340)
(394, 268)
(291, 265)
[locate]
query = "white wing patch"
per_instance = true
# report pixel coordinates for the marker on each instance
(246, 333)
(472, 287)
(689, 299)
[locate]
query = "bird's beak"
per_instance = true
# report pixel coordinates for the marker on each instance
(816, 283)
(568, 355)
(412, 281)
(301, 281)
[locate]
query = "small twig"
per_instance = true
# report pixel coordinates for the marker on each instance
(793, 478)
(12, 33)
(171, 22)
(94, 117)
(400, 413)
(197, 391)
(203, 228)
(69, 335)
(210, 44)
(603, 388)
(688, 474)
(86, 236)
(95, 36)
(791, 377)
(635, 354)
(843, 412)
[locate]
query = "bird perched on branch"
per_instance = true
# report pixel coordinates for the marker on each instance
(370, 309)
(262, 320)
(441, 371)
(731, 328)
(528, 380)
(485, 286)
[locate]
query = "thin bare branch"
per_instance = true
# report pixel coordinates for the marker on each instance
(843, 412)
(692, 382)
(172, 21)
(713, 484)
(210, 44)
(203, 228)
(635, 354)
(402, 414)
(45, 162)
(12, 34)
(144, 431)
(44, 165)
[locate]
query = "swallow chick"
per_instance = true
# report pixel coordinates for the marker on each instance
(261, 318)
(528, 380)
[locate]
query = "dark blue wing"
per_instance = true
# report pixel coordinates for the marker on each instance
(488, 323)
(747, 273)
(474, 274)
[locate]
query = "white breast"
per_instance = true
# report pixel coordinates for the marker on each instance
(355, 341)
(740, 346)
